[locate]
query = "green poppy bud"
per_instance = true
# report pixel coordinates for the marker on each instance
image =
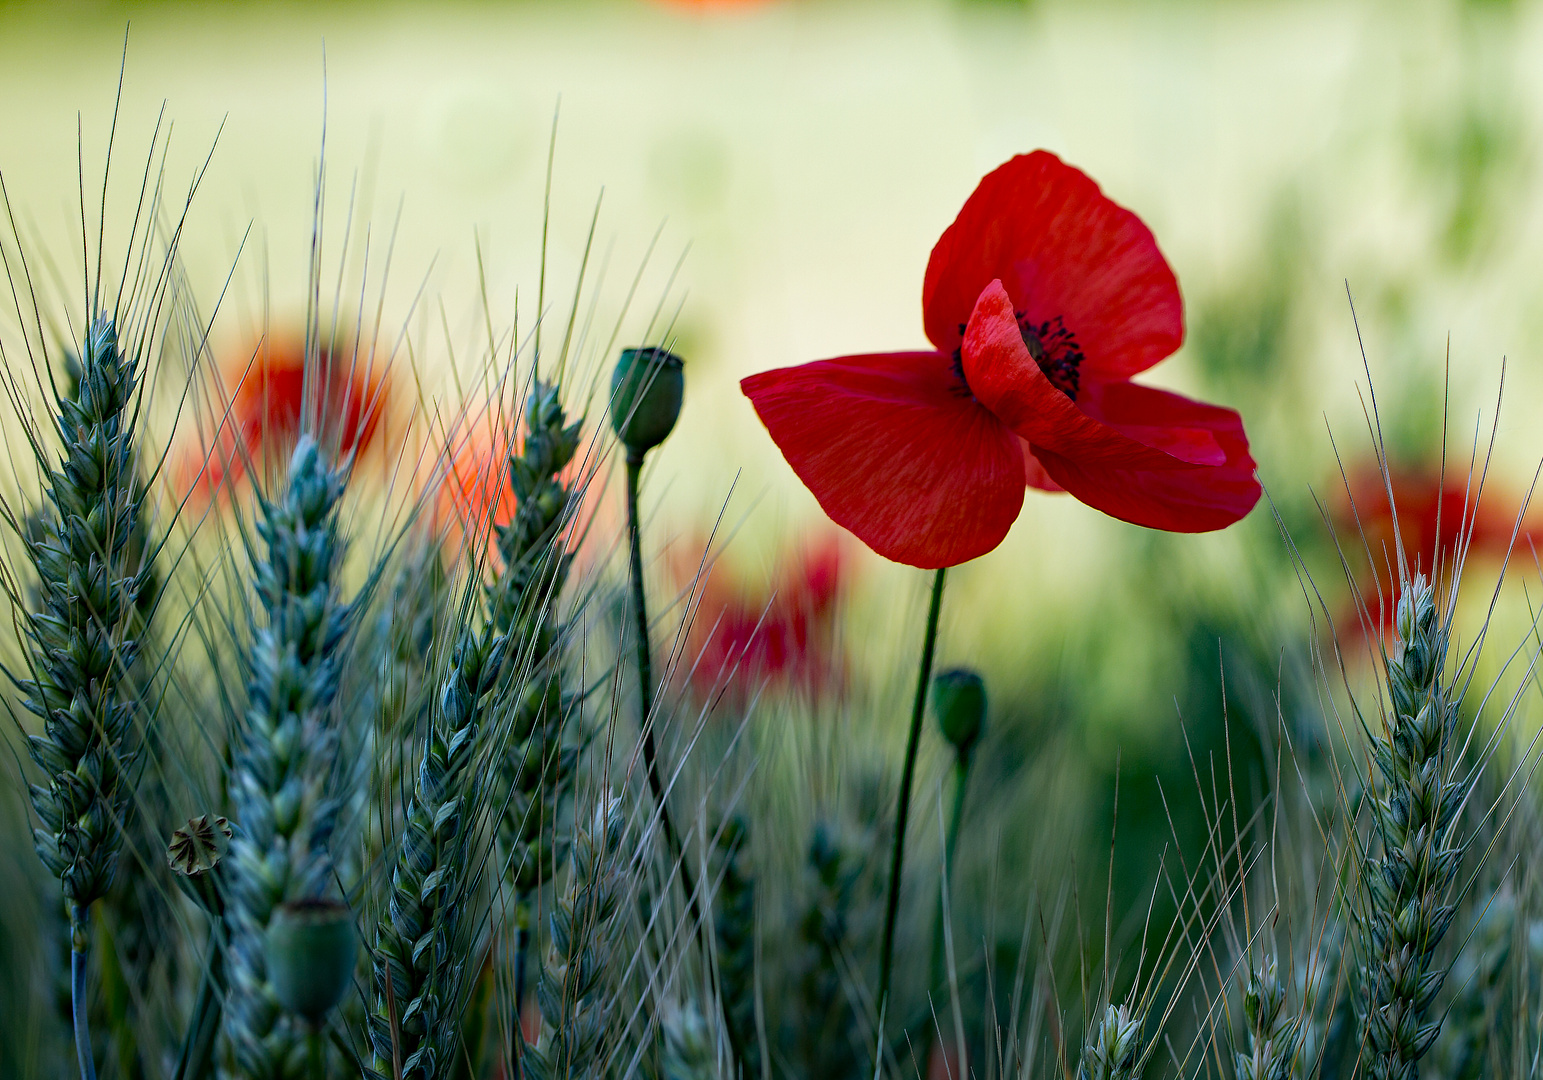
(194, 852)
(646, 391)
(959, 700)
(310, 953)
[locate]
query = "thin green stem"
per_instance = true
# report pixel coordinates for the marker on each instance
(903, 807)
(204, 1024)
(317, 1052)
(646, 665)
(646, 717)
(961, 782)
(79, 954)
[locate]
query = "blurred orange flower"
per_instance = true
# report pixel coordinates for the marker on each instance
(337, 396)
(467, 487)
(1433, 516)
(783, 633)
(475, 482)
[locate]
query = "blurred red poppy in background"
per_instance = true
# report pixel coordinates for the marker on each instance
(781, 633)
(338, 397)
(475, 483)
(1434, 516)
(468, 492)
(1041, 300)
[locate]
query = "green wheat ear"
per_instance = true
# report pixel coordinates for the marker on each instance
(501, 691)
(1112, 1048)
(536, 770)
(1417, 797)
(282, 810)
(574, 989)
(88, 548)
(418, 939)
(1271, 1038)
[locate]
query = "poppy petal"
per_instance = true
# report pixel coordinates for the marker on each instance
(897, 452)
(1177, 500)
(1034, 473)
(1064, 250)
(1007, 380)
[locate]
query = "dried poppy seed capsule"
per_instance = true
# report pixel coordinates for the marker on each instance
(959, 700)
(194, 852)
(646, 391)
(310, 951)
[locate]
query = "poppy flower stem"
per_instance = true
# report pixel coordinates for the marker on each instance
(646, 715)
(903, 807)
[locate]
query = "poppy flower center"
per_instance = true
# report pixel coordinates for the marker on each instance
(1055, 349)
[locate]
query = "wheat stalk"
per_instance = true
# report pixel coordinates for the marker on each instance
(501, 691)
(417, 966)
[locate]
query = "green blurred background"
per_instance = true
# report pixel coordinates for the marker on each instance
(803, 156)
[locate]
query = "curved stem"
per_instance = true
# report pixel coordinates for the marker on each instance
(79, 954)
(646, 696)
(644, 659)
(903, 808)
(646, 726)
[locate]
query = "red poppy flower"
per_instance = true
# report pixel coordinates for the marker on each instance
(342, 399)
(745, 634)
(1041, 300)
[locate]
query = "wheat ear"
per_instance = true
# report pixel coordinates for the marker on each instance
(1271, 1038)
(572, 992)
(282, 810)
(1112, 1048)
(88, 549)
(1409, 874)
(536, 772)
(417, 960)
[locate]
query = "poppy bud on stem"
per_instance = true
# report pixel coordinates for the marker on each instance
(644, 408)
(310, 949)
(959, 702)
(646, 391)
